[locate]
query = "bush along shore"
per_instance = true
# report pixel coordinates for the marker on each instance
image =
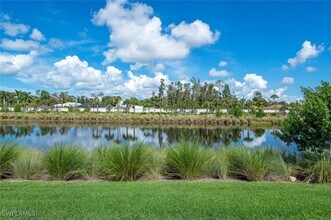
(183, 161)
(210, 119)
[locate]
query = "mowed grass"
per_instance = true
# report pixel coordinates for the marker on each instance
(167, 200)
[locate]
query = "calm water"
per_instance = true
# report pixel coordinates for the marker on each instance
(34, 135)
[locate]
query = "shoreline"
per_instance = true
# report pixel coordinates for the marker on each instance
(138, 118)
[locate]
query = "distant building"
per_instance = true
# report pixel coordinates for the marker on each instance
(67, 104)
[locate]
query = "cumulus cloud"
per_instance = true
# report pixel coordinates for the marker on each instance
(142, 85)
(308, 51)
(138, 37)
(287, 80)
(279, 92)
(11, 64)
(159, 67)
(195, 34)
(218, 73)
(223, 63)
(19, 44)
(72, 73)
(13, 29)
(310, 69)
(37, 35)
(251, 83)
(255, 81)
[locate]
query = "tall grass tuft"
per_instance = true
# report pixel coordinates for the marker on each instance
(158, 163)
(65, 162)
(8, 153)
(126, 163)
(187, 160)
(28, 164)
(247, 164)
(320, 172)
(278, 169)
(219, 164)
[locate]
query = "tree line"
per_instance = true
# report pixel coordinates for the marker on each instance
(176, 95)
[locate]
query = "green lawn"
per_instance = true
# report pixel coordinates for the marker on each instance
(167, 200)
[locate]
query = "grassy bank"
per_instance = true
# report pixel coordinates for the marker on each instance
(185, 160)
(148, 118)
(166, 200)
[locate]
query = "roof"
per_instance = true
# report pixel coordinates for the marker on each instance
(274, 107)
(68, 104)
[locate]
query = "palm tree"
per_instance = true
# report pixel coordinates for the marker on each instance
(274, 97)
(18, 95)
(26, 98)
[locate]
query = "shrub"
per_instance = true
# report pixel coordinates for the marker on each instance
(87, 109)
(126, 163)
(8, 153)
(17, 107)
(65, 162)
(28, 164)
(260, 113)
(236, 111)
(187, 160)
(247, 164)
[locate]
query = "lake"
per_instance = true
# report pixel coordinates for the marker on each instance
(90, 135)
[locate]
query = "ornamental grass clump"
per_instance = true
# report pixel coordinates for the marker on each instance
(187, 160)
(28, 164)
(219, 164)
(8, 154)
(126, 163)
(247, 164)
(64, 162)
(278, 169)
(314, 167)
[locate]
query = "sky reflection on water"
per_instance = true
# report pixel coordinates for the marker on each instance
(89, 136)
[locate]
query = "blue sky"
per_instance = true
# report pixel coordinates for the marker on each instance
(125, 47)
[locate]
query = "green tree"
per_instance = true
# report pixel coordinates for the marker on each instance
(309, 126)
(274, 97)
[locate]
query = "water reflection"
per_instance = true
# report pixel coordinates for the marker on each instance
(92, 135)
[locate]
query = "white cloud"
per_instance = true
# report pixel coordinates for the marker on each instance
(223, 63)
(310, 69)
(255, 81)
(137, 66)
(218, 73)
(287, 80)
(56, 43)
(285, 67)
(279, 92)
(72, 73)
(142, 85)
(251, 83)
(11, 64)
(195, 34)
(19, 45)
(37, 35)
(308, 51)
(13, 29)
(137, 36)
(159, 67)
(113, 74)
